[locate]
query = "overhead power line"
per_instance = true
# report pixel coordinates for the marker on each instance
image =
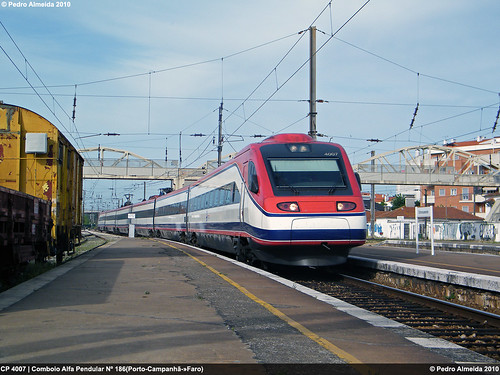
(25, 76)
(299, 68)
(392, 137)
(414, 71)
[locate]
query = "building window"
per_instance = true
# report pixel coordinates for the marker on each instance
(442, 192)
(453, 192)
(465, 194)
(465, 208)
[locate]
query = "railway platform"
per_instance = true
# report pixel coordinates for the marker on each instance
(476, 270)
(155, 301)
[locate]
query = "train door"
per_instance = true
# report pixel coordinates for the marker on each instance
(242, 205)
(186, 218)
(153, 228)
(243, 197)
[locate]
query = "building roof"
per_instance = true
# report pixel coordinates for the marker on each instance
(440, 213)
(475, 145)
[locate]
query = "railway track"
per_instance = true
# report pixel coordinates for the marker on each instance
(475, 330)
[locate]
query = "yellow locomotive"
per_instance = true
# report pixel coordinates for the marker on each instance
(37, 159)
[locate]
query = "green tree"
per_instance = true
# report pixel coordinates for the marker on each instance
(398, 201)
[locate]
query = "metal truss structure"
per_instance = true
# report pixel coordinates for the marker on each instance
(125, 165)
(418, 165)
(431, 165)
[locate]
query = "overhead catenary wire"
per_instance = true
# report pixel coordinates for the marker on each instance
(229, 99)
(301, 66)
(422, 105)
(414, 71)
(394, 136)
(25, 76)
(177, 67)
(331, 101)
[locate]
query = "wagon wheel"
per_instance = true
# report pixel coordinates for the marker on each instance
(194, 239)
(243, 251)
(182, 237)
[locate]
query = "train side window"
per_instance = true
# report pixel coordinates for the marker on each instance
(216, 197)
(253, 181)
(207, 200)
(60, 155)
(222, 196)
(236, 194)
(213, 198)
(228, 194)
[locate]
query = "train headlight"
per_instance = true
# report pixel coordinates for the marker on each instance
(289, 206)
(299, 148)
(346, 206)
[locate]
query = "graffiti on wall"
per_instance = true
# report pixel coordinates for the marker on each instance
(468, 231)
(377, 227)
(477, 231)
(447, 231)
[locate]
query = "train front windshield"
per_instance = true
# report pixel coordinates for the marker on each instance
(307, 176)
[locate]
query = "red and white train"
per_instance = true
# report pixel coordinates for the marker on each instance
(288, 200)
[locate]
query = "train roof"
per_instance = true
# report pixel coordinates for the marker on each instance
(289, 137)
(59, 132)
(276, 139)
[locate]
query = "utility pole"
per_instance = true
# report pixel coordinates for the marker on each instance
(219, 144)
(312, 83)
(372, 199)
(180, 149)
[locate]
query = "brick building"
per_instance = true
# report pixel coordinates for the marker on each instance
(474, 200)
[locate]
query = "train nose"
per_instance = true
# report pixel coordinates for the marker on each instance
(322, 229)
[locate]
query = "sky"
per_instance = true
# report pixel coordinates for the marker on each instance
(153, 69)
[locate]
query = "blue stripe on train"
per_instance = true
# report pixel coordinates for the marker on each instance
(277, 235)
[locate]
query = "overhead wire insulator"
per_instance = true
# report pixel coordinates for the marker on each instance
(414, 115)
(418, 100)
(496, 119)
(74, 106)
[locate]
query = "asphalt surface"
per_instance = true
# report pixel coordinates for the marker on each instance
(151, 301)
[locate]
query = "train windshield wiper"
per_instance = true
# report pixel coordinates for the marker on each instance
(283, 185)
(293, 189)
(334, 188)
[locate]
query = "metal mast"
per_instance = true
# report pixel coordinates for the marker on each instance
(219, 144)
(312, 83)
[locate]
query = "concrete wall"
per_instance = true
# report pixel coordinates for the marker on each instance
(464, 231)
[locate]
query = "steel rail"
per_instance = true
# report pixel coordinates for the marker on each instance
(450, 307)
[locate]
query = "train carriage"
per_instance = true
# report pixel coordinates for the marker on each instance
(115, 221)
(214, 209)
(170, 216)
(36, 159)
(288, 200)
(144, 215)
(303, 204)
(25, 225)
